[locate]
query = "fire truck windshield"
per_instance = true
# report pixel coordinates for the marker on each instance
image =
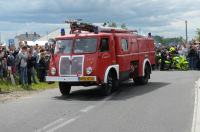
(64, 46)
(85, 45)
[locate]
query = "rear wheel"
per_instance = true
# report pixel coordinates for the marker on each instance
(143, 80)
(64, 88)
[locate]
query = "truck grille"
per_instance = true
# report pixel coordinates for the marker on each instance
(71, 67)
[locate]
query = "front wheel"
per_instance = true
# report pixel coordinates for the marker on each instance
(111, 85)
(64, 88)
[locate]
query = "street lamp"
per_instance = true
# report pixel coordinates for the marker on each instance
(0, 37)
(186, 34)
(186, 29)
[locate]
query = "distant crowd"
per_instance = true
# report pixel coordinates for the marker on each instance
(191, 52)
(26, 64)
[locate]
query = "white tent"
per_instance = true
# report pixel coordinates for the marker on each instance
(40, 43)
(30, 43)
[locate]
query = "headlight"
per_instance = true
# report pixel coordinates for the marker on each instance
(53, 71)
(89, 70)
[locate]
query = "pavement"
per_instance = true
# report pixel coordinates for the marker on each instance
(167, 104)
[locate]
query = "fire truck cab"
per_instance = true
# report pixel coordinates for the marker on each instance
(100, 56)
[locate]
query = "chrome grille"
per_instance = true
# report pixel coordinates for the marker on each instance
(65, 66)
(77, 64)
(71, 67)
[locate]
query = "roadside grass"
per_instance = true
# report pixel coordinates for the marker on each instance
(43, 86)
(7, 87)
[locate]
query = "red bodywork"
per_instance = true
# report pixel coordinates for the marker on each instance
(140, 50)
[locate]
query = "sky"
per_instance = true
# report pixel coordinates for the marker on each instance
(160, 17)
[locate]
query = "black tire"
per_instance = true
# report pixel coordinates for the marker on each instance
(64, 88)
(143, 80)
(111, 85)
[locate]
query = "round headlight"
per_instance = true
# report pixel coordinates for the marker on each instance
(53, 71)
(89, 70)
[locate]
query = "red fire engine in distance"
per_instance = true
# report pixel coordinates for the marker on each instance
(91, 55)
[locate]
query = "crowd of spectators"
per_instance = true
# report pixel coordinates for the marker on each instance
(27, 64)
(190, 51)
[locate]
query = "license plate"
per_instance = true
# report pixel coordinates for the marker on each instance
(86, 79)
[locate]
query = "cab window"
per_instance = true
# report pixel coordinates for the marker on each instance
(63, 46)
(85, 45)
(104, 45)
(124, 44)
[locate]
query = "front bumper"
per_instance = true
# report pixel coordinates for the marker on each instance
(71, 79)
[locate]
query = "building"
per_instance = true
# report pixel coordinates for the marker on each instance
(27, 37)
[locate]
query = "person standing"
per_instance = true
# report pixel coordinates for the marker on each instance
(11, 66)
(1, 63)
(163, 58)
(23, 56)
(42, 67)
(11, 61)
(30, 68)
(192, 55)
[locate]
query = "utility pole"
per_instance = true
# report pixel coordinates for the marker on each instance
(0, 37)
(186, 30)
(47, 34)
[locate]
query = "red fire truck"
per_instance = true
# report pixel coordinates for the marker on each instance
(92, 55)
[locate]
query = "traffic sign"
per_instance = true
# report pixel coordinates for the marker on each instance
(11, 42)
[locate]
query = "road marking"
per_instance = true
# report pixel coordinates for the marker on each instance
(196, 116)
(88, 108)
(63, 124)
(59, 123)
(50, 125)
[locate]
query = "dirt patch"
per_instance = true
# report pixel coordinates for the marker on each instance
(15, 95)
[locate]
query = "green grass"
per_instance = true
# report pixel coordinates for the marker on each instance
(6, 86)
(43, 86)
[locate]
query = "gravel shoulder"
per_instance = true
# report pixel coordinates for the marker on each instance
(16, 95)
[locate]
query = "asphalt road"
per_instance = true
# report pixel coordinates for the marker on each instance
(166, 104)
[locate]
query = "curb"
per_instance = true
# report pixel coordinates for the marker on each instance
(196, 116)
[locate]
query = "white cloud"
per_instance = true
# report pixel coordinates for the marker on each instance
(162, 17)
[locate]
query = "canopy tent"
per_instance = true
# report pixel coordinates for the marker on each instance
(40, 43)
(30, 43)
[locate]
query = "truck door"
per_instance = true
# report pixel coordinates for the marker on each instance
(105, 55)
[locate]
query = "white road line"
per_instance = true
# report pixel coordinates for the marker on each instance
(196, 116)
(57, 124)
(107, 98)
(98, 104)
(50, 125)
(88, 108)
(63, 124)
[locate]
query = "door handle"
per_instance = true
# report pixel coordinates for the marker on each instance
(105, 56)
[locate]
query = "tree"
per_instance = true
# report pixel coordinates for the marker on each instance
(168, 41)
(104, 24)
(198, 34)
(123, 26)
(113, 24)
